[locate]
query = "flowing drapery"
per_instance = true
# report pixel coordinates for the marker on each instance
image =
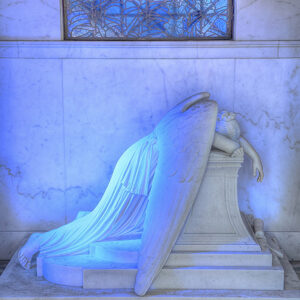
(121, 211)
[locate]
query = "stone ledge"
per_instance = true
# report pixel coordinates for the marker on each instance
(16, 283)
(149, 50)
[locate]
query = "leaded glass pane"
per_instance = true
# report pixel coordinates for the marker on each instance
(147, 19)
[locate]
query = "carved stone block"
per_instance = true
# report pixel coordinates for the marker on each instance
(215, 222)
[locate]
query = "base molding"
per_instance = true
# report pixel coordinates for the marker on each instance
(17, 283)
(182, 271)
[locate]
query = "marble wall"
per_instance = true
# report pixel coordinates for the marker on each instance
(267, 20)
(68, 113)
(253, 20)
(30, 20)
(69, 109)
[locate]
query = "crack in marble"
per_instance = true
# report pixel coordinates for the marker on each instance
(277, 124)
(271, 121)
(42, 193)
(15, 3)
(293, 91)
(6, 17)
(48, 5)
(9, 171)
(164, 82)
(286, 2)
(294, 72)
(248, 5)
(293, 145)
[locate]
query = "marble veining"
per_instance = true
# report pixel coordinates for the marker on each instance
(54, 125)
(277, 125)
(267, 20)
(30, 20)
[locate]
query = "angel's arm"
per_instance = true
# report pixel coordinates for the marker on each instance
(232, 147)
(225, 144)
(256, 161)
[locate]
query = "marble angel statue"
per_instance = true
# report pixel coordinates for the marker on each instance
(152, 188)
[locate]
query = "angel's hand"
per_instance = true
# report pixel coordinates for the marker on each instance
(237, 152)
(257, 166)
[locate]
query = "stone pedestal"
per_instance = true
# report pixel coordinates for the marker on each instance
(216, 249)
(215, 222)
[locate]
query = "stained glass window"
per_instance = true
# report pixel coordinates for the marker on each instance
(147, 19)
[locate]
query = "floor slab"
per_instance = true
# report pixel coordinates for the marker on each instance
(16, 283)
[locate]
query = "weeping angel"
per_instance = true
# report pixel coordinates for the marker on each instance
(153, 186)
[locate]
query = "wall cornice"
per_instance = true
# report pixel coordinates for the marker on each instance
(149, 50)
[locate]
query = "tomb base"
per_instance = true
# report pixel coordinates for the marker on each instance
(183, 270)
(215, 222)
(216, 249)
(17, 283)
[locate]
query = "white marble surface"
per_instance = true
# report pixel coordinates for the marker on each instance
(215, 221)
(114, 264)
(288, 49)
(267, 20)
(218, 278)
(10, 241)
(31, 149)
(269, 113)
(99, 124)
(128, 251)
(149, 50)
(30, 20)
(52, 110)
(18, 283)
(290, 241)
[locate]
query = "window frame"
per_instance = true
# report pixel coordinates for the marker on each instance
(230, 28)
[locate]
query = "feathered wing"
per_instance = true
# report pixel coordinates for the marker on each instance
(184, 138)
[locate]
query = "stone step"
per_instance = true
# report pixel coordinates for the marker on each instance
(91, 273)
(259, 278)
(127, 252)
(242, 259)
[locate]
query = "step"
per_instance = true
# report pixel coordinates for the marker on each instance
(83, 270)
(234, 259)
(128, 251)
(259, 278)
(125, 251)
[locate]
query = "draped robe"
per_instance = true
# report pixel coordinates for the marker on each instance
(151, 192)
(121, 211)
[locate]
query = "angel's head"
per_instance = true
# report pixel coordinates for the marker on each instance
(227, 125)
(226, 115)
